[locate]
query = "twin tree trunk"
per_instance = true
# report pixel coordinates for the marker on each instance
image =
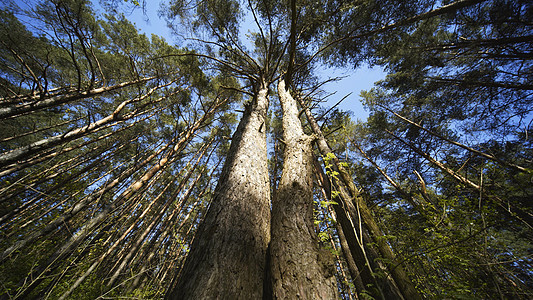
(229, 257)
(300, 269)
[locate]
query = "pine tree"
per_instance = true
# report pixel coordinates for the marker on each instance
(134, 168)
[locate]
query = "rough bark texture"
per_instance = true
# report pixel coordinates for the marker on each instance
(228, 255)
(300, 269)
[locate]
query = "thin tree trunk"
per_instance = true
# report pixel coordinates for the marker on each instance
(355, 234)
(76, 208)
(47, 155)
(227, 257)
(485, 155)
(22, 152)
(343, 280)
(158, 239)
(162, 209)
(35, 131)
(97, 181)
(355, 273)
(398, 273)
(61, 99)
(409, 198)
(131, 189)
(350, 262)
(77, 165)
(300, 268)
(135, 247)
(524, 216)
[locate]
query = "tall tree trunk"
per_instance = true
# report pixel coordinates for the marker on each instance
(398, 273)
(300, 269)
(228, 255)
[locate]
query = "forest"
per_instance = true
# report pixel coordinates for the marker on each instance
(213, 165)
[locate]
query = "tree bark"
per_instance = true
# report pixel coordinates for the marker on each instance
(300, 269)
(228, 255)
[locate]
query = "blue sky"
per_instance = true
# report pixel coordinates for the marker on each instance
(355, 81)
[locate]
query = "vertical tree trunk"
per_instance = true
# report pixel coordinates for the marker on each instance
(300, 269)
(228, 255)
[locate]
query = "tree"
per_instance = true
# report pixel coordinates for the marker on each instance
(134, 168)
(299, 268)
(228, 256)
